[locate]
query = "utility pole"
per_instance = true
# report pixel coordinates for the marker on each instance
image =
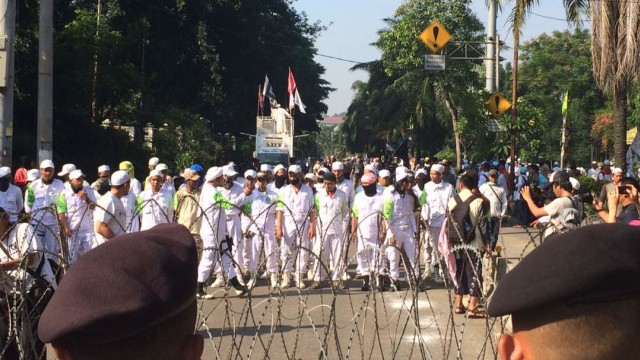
(491, 60)
(7, 60)
(45, 82)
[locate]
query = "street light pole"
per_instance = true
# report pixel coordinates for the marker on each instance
(45, 82)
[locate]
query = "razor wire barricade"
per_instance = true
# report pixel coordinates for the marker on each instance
(325, 322)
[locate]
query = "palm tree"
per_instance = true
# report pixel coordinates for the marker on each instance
(615, 32)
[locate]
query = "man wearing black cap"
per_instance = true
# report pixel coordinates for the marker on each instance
(565, 306)
(112, 307)
(564, 211)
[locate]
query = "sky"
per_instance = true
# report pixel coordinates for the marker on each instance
(353, 25)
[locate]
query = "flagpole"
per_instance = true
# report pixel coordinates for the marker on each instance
(563, 141)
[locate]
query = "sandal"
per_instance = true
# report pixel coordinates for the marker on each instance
(460, 310)
(476, 314)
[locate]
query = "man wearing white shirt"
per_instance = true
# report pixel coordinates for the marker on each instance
(110, 216)
(75, 211)
(41, 197)
(155, 204)
(594, 171)
(435, 196)
(10, 195)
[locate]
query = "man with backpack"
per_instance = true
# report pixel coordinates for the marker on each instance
(467, 224)
(564, 213)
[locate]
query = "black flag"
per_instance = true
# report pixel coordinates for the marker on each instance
(267, 89)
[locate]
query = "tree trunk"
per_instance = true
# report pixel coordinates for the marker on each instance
(620, 128)
(453, 110)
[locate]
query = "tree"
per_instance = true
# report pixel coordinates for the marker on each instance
(616, 59)
(401, 98)
(550, 65)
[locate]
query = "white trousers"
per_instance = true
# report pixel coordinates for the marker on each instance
(371, 254)
(294, 234)
(79, 243)
(49, 238)
(406, 242)
(215, 254)
(431, 253)
(330, 250)
(234, 230)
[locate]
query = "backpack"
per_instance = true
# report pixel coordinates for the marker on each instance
(569, 218)
(460, 229)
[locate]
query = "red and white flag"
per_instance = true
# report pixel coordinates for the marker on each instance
(294, 95)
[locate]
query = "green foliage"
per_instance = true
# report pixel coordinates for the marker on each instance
(446, 153)
(400, 99)
(550, 65)
(168, 62)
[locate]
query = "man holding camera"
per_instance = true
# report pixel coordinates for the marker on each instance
(622, 203)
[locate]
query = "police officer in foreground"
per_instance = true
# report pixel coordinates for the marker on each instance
(132, 297)
(574, 297)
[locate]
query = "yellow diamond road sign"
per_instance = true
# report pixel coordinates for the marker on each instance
(497, 104)
(435, 36)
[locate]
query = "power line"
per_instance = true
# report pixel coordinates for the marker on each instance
(341, 59)
(554, 18)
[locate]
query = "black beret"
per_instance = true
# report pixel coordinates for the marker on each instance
(123, 287)
(592, 264)
(329, 176)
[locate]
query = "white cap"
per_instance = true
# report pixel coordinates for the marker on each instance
(45, 164)
(4, 171)
(265, 167)
(323, 170)
(119, 177)
(594, 162)
(310, 176)
(228, 170)
(401, 175)
(250, 173)
(371, 168)
(66, 169)
(337, 165)
(384, 173)
(161, 166)
(400, 169)
(278, 168)
(438, 168)
(555, 163)
(154, 161)
(104, 168)
(607, 162)
(33, 174)
(295, 169)
(421, 171)
(575, 184)
(76, 174)
(155, 172)
(213, 173)
(616, 171)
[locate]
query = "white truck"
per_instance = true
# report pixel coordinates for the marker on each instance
(274, 137)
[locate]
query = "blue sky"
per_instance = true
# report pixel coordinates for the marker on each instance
(353, 25)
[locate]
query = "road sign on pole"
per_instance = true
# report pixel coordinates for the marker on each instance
(434, 62)
(497, 104)
(435, 36)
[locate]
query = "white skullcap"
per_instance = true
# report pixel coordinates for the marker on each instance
(228, 170)
(323, 170)
(371, 168)
(76, 174)
(278, 167)
(162, 166)
(437, 168)
(616, 171)
(401, 175)
(400, 169)
(337, 165)
(155, 172)
(154, 161)
(384, 173)
(213, 173)
(421, 171)
(575, 184)
(119, 177)
(310, 176)
(33, 174)
(45, 164)
(4, 171)
(295, 169)
(265, 167)
(607, 162)
(250, 173)
(66, 169)
(104, 168)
